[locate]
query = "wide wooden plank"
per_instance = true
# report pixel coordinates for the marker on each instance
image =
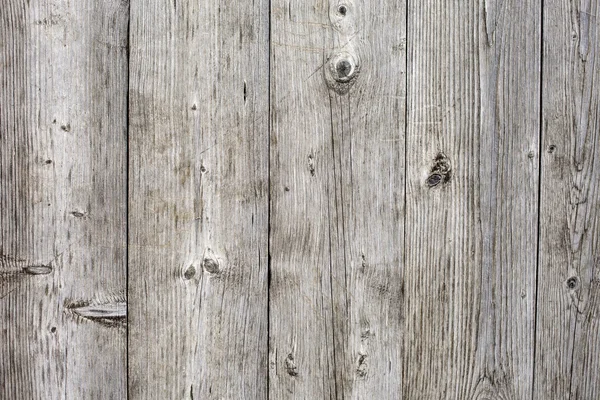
(198, 200)
(472, 198)
(337, 184)
(568, 308)
(63, 94)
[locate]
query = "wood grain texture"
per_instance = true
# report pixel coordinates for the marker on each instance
(472, 196)
(63, 85)
(198, 200)
(568, 307)
(337, 154)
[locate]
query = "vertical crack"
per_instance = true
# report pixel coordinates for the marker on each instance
(539, 208)
(127, 195)
(402, 311)
(269, 126)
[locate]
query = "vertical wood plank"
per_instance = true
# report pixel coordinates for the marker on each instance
(198, 201)
(472, 198)
(63, 85)
(337, 183)
(568, 313)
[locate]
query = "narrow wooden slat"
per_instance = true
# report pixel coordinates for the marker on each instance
(337, 184)
(568, 308)
(63, 86)
(198, 200)
(472, 198)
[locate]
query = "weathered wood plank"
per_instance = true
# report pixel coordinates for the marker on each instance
(472, 197)
(337, 220)
(63, 85)
(198, 201)
(568, 308)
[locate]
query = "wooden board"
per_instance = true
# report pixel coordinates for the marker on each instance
(337, 183)
(568, 310)
(198, 200)
(63, 85)
(472, 199)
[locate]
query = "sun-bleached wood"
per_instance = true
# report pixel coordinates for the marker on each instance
(568, 307)
(337, 183)
(472, 199)
(63, 97)
(198, 200)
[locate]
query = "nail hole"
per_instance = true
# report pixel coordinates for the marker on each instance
(551, 148)
(53, 329)
(342, 10)
(203, 169)
(48, 161)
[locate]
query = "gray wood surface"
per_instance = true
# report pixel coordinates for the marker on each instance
(337, 221)
(198, 200)
(63, 86)
(472, 199)
(568, 312)
(299, 199)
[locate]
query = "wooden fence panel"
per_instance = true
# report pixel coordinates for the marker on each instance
(568, 307)
(472, 198)
(63, 99)
(198, 200)
(337, 210)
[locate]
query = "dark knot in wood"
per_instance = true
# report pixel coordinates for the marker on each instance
(361, 369)
(342, 72)
(441, 171)
(290, 365)
(344, 69)
(189, 273)
(573, 282)
(38, 269)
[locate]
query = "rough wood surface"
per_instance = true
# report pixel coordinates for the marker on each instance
(198, 200)
(337, 147)
(568, 307)
(472, 199)
(305, 199)
(63, 85)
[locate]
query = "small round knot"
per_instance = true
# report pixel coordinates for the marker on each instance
(211, 265)
(342, 72)
(344, 69)
(189, 273)
(573, 282)
(551, 149)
